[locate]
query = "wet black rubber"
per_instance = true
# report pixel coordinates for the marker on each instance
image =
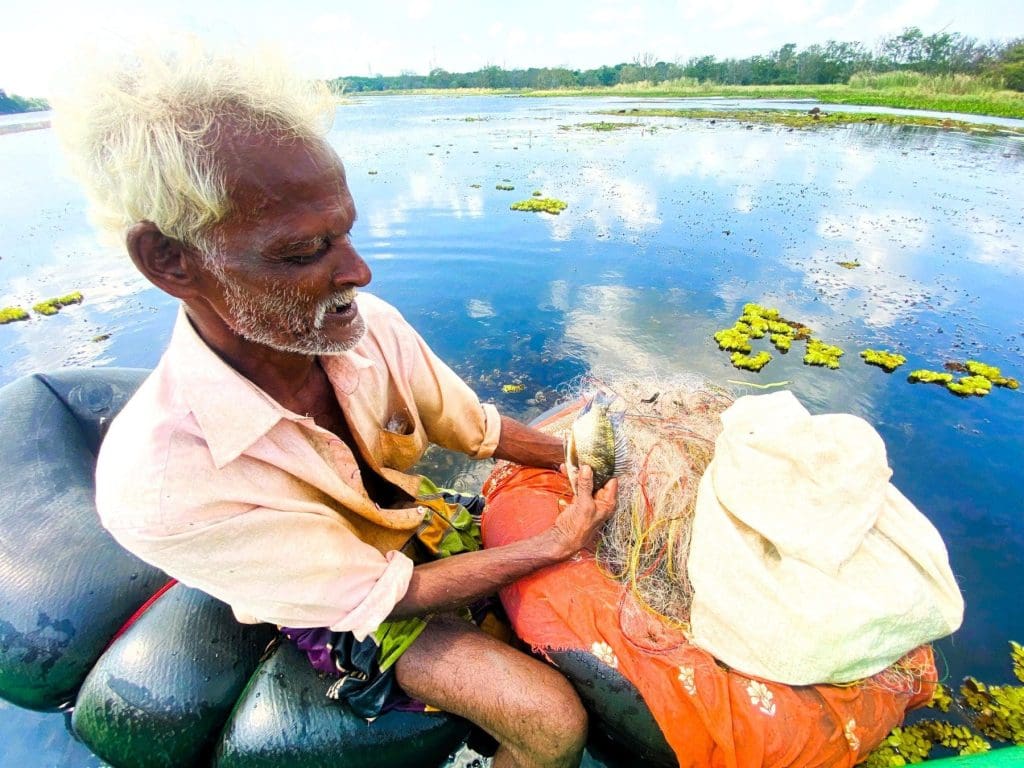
(65, 585)
(285, 718)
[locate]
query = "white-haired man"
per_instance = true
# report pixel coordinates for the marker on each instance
(265, 459)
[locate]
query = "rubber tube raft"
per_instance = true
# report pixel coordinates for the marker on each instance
(162, 675)
(179, 683)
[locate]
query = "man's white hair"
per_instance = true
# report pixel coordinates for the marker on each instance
(141, 132)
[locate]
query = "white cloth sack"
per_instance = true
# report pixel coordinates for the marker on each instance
(807, 565)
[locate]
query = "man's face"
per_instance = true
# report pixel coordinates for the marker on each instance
(285, 271)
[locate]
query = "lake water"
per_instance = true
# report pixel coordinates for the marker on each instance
(671, 227)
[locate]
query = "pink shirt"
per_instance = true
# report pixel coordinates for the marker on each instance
(205, 476)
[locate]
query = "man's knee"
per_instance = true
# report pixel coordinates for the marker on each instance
(560, 721)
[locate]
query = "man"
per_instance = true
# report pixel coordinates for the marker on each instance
(264, 460)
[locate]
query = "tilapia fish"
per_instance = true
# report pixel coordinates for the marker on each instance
(595, 439)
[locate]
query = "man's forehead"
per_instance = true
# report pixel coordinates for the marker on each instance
(270, 164)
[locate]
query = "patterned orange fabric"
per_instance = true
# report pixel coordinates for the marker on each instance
(710, 715)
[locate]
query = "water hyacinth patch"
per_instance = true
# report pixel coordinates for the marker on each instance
(890, 361)
(12, 315)
(751, 362)
(540, 205)
(820, 353)
(53, 306)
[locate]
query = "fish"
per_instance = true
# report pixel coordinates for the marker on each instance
(595, 438)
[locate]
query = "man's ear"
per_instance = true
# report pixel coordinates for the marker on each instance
(167, 263)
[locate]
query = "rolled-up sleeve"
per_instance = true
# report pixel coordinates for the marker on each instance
(287, 568)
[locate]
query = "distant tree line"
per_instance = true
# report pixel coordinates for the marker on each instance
(14, 103)
(941, 53)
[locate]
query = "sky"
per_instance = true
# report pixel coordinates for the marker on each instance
(331, 39)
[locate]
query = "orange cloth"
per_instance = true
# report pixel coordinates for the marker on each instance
(709, 714)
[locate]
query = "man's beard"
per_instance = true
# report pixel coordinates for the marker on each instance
(283, 320)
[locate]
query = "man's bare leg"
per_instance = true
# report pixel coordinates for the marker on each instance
(531, 710)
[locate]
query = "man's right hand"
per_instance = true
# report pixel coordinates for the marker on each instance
(577, 524)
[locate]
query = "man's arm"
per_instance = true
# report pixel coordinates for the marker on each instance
(442, 585)
(528, 446)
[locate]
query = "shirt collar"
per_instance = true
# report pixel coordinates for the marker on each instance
(232, 412)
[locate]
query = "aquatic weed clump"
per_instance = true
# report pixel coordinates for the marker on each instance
(733, 339)
(53, 306)
(12, 315)
(820, 353)
(504, 187)
(751, 362)
(970, 385)
(991, 373)
(995, 711)
(924, 376)
(890, 361)
(540, 205)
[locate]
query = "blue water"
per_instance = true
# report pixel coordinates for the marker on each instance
(671, 227)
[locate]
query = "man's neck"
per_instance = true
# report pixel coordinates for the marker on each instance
(290, 378)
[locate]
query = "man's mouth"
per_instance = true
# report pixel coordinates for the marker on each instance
(341, 305)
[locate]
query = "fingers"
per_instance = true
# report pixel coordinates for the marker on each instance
(585, 482)
(607, 494)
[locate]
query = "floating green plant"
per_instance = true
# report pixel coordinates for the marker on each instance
(751, 362)
(733, 340)
(779, 327)
(600, 126)
(512, 389)
(474, 186)
(924, 376)
(504, 187)
(995, 711)
(848, 264)
(372, 173)
(541, 205)
(53, 306)
(781, 341)
(820, 353)
(991, 373)
(537, 193)
(758, 325)
(756, 309)
(890, 361)
(970, 385)
(12, 315)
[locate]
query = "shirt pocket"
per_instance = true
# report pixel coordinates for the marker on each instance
(401, 443)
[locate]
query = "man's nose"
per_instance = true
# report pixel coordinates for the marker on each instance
(351, 269)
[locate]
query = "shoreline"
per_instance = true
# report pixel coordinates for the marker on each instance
(23, 127)
(1004, 104)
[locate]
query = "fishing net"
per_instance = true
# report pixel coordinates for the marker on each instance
(670, 427)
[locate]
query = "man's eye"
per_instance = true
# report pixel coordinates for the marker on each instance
(308, 256)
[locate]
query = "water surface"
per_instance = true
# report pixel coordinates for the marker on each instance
(671, 227)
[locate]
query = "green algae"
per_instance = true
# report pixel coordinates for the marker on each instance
(848, 264)
(53, 306)
(537, 193)
(371, 173)
(991, 373)
(504, 187)
(757, 324)
(992, 711)
(540, 205)
(12, 315)
(822, 354)
(978, 386)
(781, 341)
(890, 361)
(733, 340)
(751, 362)
(924, 376)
